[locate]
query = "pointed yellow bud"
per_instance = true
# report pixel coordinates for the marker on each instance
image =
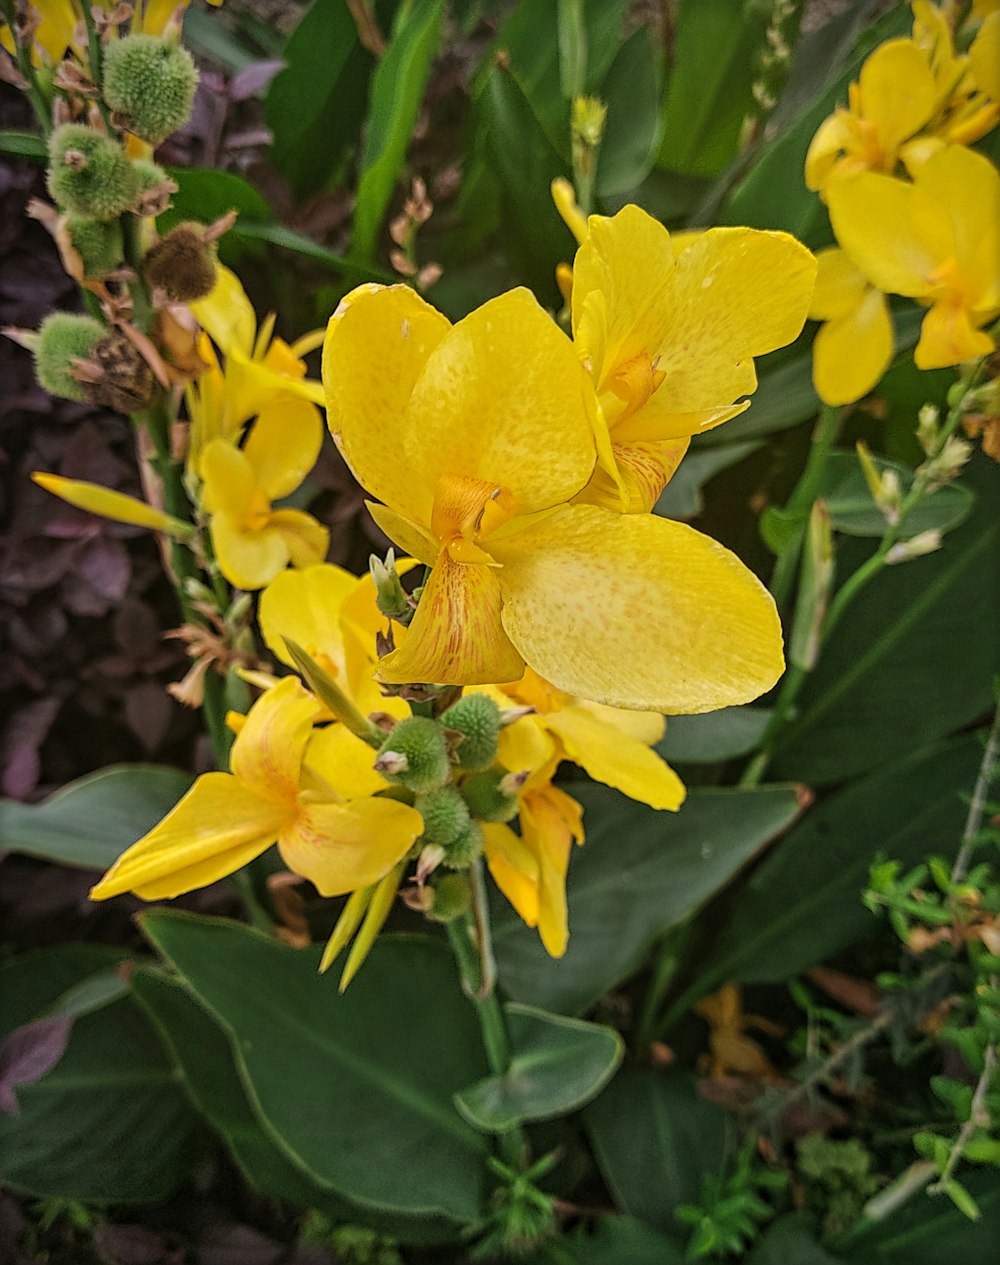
(108, 504)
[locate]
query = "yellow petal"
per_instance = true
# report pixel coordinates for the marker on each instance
(851, 353)
(565, 201)
(215, 830)
(249, 559)
(834, 135)
(503, 399)
(984, 57)
(109, 504)
(305, 605)
(305, 539)
(227, 314)
(898, 93)
(611, 757)
(840, 285)
(229, 481)
(408, 535)
(525, 746)
(283, 445)
(645, 727)
(377, 344)
(338, 759)
(267, 753)
(948, 337)
(456, 637)
(340, 847)
(548, 826)
(637, 611)
(645, 469)
(966, 186)
(515, 869)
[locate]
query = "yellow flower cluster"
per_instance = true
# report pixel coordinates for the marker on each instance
(915, 212)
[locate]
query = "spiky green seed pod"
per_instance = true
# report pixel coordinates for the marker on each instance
(452, 898)
(445, 815)
(468, 847)
(477, 718)
(182, 264)
(98, 243)
(149, 83)
(488, 795)
(414, 755)
(150, 174)
(63, 338)
(89, 173)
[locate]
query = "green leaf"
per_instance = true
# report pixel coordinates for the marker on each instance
(853, 511)
(557, 1065)
(23, 144)
(788, 1239)
(682, 497)
(631, 92)
(721, 735)
(91, 822)
(206, 1064)
(802, 903)
(108, 1123)
(289, 239)
(907, 665)
(653, 1137)
(205, 195)
(204, 33)
(315, 106)
(640, 873)
(779, 527)
(613, 1241)
(356, 1089)
(397, 91)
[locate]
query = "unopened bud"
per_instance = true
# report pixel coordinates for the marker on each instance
(181, 264)
(415, 755)
(149, 83)
(431, 856)
(948, 463)
(390, 596)
(445, 815)
(89, 173)
(476, 719)
(928, 420)
(492, 796)
(587, 120)
(923, 543)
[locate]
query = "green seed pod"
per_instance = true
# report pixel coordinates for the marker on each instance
(182, 264)
(150, 174)
(98, 243)
(461, 853)
(414, 755)
(149, 83)
(477, 718)
(62, 339)
(452, 897)
(488, 795)
(445, 815)
(89, 173)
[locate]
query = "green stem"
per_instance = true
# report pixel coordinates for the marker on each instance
(22, 53)
(95, 57)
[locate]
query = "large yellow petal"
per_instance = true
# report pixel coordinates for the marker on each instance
(840, 285)
(283, 445)
(515, 869)
(615, 759)
(503, 399)
(343, 762)
(948, 337)
(377, 344)
(644, 469)
(227, 314)
(215, 830)
(305, 539)
(228, 476)
(637, 611)
(851, 352)
(305, 605)
(340, 847)
(267, 754)
(456, 637)
(898, 93)
(110, 504)
(645, 727)
(249, 559)
(408, 535)
(967, 186)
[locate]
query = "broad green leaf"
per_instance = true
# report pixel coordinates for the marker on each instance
(654, 1136)
(613, 1241)
(91, 822)
(682, 497)
(201, 1050)
(23, 144)
(557, 1064)
(631, 92)
(356, 1089)
(205, 195)
(853, 511)
(315, 106)
(289, 239)
(397, 91)
(108, 1123)
(640, 873)
(913, 658)
(790, 1238)
(803, 903)
(721, 735)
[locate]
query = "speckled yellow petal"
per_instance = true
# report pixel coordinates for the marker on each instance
(503, 399)
(377, 344)
(227, 314)
(948, 337)
(898, 92)
(215, 830)
(267, 753)
(851, 352)
(341, 847)
(456, 637)
(305, 539)
(644, 469)
(514, 868)
(615, 759)
(283, 445)
(228, 478)
(645, 727)
(637, 611)
(405, 533)
(305, 605)
(249, 559)
(343, 762)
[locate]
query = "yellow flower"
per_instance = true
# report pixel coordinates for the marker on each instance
(668, 337)
(110, 504)
(252, 541)
(936, 240)
(60, 19)
(854, 346)
(474, 437)
(984, 57)
(309, 790)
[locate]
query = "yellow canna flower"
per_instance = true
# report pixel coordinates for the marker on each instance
(854, 346)
(475, 437)
(62, 19)
(936, 240)
(110, 504)
(984, 57)
(668, 337)
(304, 788)
(253, 541)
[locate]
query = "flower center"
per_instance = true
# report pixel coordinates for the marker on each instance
(466, 511)
(633, 382)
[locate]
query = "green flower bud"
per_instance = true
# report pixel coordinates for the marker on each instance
(98, 243)
(461, 852)
(150, 174)
(477, 718)
(62, 339)
(452, 898)
(149, 83)
(89, 173)
(182, 264)
(414, 755)
(492, 796)
(445, 815)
